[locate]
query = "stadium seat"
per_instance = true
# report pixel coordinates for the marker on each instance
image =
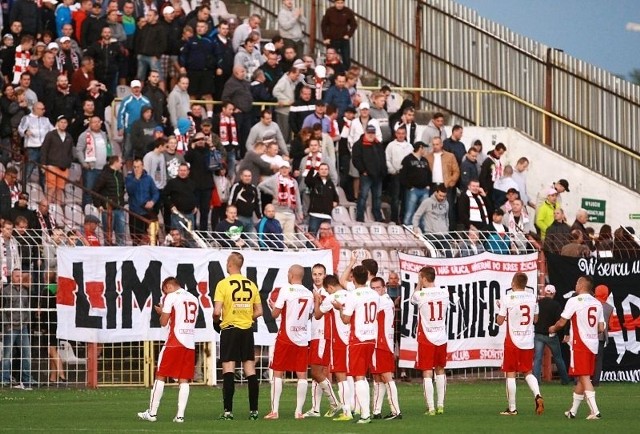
(345, 257)
(340, 215)
(36, 194)
(361, 235)
(90, 209)
(72, 194)
(382, 257)
(343, 234)
(395, 261)
(342, 198)
(398, 238)
(58, 214)
(415, 252)
(379, 234)
(75, 172)
(74, 215)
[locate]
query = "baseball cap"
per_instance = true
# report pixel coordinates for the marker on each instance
(92, 219)
(417, 145)
(65, 39)
(285, 164)
(370, 129)
(159, 128)
(299, 64)
(321, 71)
(135, 83)
(53, 46)
(270, 47)
(565, 184)
(33, 63)
(364, 105)
(512, 190)
(168, 10)
(549, 289)
(61, 117)
(551, 191)
(53, 2)
(7, 35)
(601, 293)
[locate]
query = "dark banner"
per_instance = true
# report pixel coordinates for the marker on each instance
(622, 353)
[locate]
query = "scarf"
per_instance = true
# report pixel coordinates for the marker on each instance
(477, 209)
(496, 170)
(286, 192)
(90, 149)
(313, 161)
(62, 60)
(46, 224)
(519, 226)
(319, 87)
(228, 131)
(183, 142)
(21, 64)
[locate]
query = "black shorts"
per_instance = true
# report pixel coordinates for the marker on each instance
(236, 345)
(200, 82)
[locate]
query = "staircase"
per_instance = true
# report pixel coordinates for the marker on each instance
(447, 51)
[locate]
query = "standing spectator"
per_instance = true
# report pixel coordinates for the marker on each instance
(68, 60)
(327, 240)
(63, 15)
(97, 93)
(198, 158)
(415, 177)
(454, 145)
(267, 129)
(338, 26)
(248, 56)
(9, 191)
(129, 112)
(47, 73)
(178, 310)
(444, 171)
(469, 168)
(259, 91)
(34, 127)
(286, 198)
(226, 129)
(492, 170)
(60, 101)
(110, 187)
(67, 30)
(181, 197)
(301, 109)
(395, 153)
(237, 90)
(26, 11)
(432, 216)
(158, 97)
(338, 94)
(156, 167)
(291, 23)
(236, 336)
(57, 156)
(220, 196)
(151, 42)
(30, 95)
(377, 111)
(197, 62)
(10, 259)
(272, 70)
(242, 32)
(81, 121)
(558, 233)
(601, 293)
(323, 196)
(143, 198)
(22, 54)
(92, 26)
(548, 314)
(87, 235)
(258, 167)
(545, 213)
(92, 151)
(361, 122)
(173, 25)
(106, 54)
(269, 230)
(369, 160)
(315, 156)
(471, 207)
(518, 224)
(244, 195)
(223, 53)
(16, 302)
(582, 217)
(520, 177)
(435, 128)
(178, 103)
(285, 93)
(143, 132)
(318, 116)
(407, 120)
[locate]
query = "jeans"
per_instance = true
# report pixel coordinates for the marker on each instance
(344, 49)
(369, 183)
(553, 343)
(33, 155)
(231, 161)
(89, 178)
(413, 197)
(203, 199)
(117, 225)
(314, 224)
(17, 338)
(145, 64)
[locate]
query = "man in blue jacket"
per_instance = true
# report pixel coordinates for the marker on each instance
(143, 195)
(269, 230)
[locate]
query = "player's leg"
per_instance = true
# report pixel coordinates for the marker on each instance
(327, 390)
(317, 376)
(533, 384)
(392, 395)
(183, 399)
(301, 393)
(228, 387)
(352, 400)
(379, 391)
(578, 397)
(427, 391)
(441, 388)
(166, 363)
(511, 392)
(362, 397)
(276, 392)
(249, 367)
(590, 396)
(343, 395)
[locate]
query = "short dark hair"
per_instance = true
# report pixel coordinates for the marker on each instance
(112, 159)
(371, 266)
(319, 265)
(500, 147)
(378, 279)
(330, 280)
(437, 115)
(441, 188)
(170, 281)
(428, 273)
(456, 128)
(520, 280)
(360, 274)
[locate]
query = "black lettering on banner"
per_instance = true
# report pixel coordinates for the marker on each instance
(216, 274)
(185, 274)
(111, 293)
(83, 319)
(131, 285)
(494, 294)
(481, 296)
(265, 288)
(405, 291)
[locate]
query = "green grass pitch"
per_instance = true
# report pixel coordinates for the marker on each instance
(470, 407)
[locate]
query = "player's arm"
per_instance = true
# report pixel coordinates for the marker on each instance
(601, 327)
(558, 325)
(164, 310)
(500, 319)
(317, 300)
(345, 313)
(257, 309)
(164, 319)
(502, 313)
(275, 312)
(217, 311)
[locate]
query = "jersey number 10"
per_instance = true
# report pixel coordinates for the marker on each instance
(370, 311)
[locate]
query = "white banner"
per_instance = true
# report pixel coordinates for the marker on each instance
(106, 294)
(474, 284)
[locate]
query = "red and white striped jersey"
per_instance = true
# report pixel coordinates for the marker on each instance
(585, 313)
(385, 323)
(296, 302)
(183, 307)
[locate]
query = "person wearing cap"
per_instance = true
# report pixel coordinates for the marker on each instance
(361, 121)
(92, 26)
(286, 198)
(33, 128)
(129, 112)
(56, 154)
(369, 160)
(107, 55)
(173, 24)
(414, 175)
(318, 117)
(267, 128)
(545, 212)
(68, 60)
(511, 194)
(88, 233)
(602, 294)
(285, 91)
(561, 186)
(549, 311)
(291, 22)
(272, 70)
(338, 26)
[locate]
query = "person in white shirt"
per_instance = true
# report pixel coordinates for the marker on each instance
(294, 305)
(33, 128)
(178, 309)
(587, 320)
(519, 309)
(432, 303)
(395, 152)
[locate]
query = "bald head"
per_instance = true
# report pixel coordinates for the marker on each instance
(234, 263)
(296, 273)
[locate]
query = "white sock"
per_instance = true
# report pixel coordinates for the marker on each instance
(392, 397)
(351, 398)
(577, 400)
(362, 397)
(511, 393)
(343, 391)
(379, 391)
(427, 386)
(301, 394)
(328, 392)
(532, 381)
(441, 388)
(316, 396)
(156, 396)
(276, 391)
(183, 398)
(591, 401)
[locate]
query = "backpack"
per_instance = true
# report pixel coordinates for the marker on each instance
(214, 160)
